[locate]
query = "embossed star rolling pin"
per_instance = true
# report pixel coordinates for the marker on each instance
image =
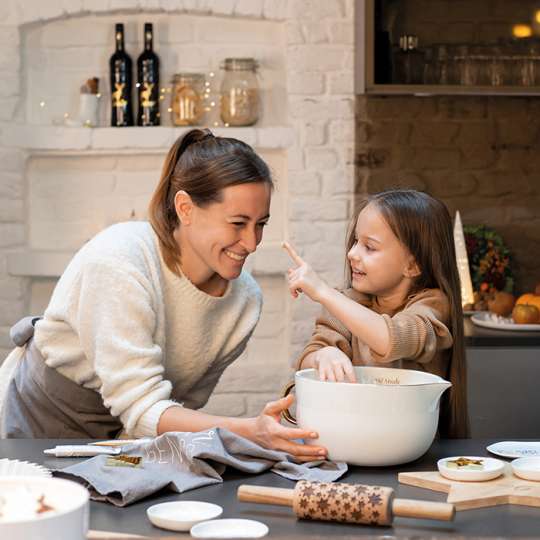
(348, 503)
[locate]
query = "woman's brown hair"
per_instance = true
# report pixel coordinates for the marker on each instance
(424, 226)
(202, 165)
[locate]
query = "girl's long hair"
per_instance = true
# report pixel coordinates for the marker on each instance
(202, 165)
(424, 226)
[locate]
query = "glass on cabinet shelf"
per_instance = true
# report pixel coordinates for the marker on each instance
(405, 55)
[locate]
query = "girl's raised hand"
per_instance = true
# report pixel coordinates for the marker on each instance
(302, 278)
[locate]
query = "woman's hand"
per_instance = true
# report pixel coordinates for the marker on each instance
(332, 364)
(268, 432)
(302, 278)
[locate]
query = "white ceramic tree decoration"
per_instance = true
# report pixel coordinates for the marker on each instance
(467, 296)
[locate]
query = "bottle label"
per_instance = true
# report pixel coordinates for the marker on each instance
(146, 95)
(117, 95)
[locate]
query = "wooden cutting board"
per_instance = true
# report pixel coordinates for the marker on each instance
(109, 535)
(507, 489)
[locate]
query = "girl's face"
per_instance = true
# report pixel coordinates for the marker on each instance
(216, 239)
(380, 263)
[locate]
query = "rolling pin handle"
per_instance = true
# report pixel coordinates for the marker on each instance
(266, 495)
(423, 509)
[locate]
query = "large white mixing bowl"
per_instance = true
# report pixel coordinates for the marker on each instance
(389, 417)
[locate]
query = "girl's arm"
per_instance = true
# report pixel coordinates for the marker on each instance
(264, 429)
(360, 320)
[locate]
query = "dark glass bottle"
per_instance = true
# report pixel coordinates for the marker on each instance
(121, 83)
(148, 82)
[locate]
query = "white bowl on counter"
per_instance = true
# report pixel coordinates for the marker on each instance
(67, 520)
(182, 515)
(527, 468)
(388, 417)
(488, 469)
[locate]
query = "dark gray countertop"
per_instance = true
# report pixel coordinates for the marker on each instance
(476, 336)
(500, 521)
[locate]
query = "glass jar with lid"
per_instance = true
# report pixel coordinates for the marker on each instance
(187, 99)
(240, 101)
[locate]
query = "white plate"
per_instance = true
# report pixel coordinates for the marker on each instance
(182, 515)
(492, 468)
(527, 468)
(230, 528)
(515, 449)
(470, 313)
(490, 320)
(14, 467)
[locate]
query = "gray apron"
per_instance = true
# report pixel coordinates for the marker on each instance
(43, 404)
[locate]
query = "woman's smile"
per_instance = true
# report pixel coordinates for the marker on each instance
(235, 256)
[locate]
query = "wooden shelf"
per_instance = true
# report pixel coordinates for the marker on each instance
(366, 63)
(448, 90)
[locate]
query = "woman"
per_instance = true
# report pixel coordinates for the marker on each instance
(147, 316)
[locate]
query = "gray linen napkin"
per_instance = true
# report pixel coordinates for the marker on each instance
(183, 461)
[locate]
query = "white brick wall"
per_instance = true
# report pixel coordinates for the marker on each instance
(58, 199)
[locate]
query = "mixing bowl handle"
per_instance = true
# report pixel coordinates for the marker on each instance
(286, 414)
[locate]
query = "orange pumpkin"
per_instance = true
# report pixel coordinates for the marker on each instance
(529, 298)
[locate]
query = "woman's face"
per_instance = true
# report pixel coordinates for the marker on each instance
(219, 237)
(380, 263)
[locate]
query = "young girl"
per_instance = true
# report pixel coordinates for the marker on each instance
(403, 308)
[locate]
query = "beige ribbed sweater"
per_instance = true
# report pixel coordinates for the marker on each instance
(419, 334)
(122, 324)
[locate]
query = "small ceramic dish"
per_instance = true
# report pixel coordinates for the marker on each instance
(230, 528)
(470, 468)
(527, 468)
(182, 515)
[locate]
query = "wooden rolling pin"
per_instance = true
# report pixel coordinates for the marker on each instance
(348, 503)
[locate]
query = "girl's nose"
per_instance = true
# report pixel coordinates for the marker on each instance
(353, 253)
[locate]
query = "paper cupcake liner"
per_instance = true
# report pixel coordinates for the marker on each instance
(14, 467)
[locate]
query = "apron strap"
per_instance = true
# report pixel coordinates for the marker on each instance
(21, 332)
(42, 403)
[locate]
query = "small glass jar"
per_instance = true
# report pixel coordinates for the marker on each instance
(187, 99)
(240, 101)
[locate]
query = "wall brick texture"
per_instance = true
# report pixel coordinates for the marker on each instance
(57, 199)
(478, 154)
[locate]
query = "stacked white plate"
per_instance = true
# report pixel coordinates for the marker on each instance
(14, 467)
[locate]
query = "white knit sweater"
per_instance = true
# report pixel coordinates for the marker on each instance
(121, 323)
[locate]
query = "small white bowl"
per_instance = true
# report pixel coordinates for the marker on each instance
(230, 528)
(182, 515)
(492, 468)
(527, 468)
